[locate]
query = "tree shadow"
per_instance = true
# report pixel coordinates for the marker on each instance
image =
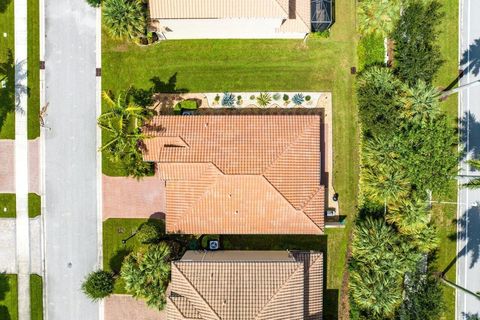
(169, 86)
(470, 316)
(4, 286)
(3, 7)
(116, 261)
(7, 88)
(468, 233)
(471, 58)
(470, 136)
(4, 313)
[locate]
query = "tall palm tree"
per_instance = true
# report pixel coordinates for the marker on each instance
(146, 272)
(410, 215)
(124, 18)
(378, 17)
(475, 182)
(420, 103)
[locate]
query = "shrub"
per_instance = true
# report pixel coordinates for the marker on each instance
(239, 97)
(124, 18)
(98, 285)
(308, 98)
(370, 51)
(286, 97)
(228, 100)
(149, 232)
(298, 99)
(252, 97)
(276, 96)
(264, 99)
(217, 98)
(94, 3)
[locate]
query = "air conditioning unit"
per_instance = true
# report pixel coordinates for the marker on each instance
(213, 245)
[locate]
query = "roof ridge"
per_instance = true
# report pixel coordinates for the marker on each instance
(300, 267)
(296, 13)
(196, 291)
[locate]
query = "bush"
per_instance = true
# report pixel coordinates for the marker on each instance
(149, 232)
(124, 18)
(142, 97)
(276, 96)
(94, 3)
(308, 98)
(286, 97)
(217, 98)
(298, 99)
(228, 100)
(98, 285)
(264, 99)
(370, 51)
(252, 97)
(320, 34)
(417, 53)
(239, 97)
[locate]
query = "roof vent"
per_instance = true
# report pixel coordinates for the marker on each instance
(206, 124)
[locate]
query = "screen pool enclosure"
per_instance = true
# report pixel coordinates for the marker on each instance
(322, 14)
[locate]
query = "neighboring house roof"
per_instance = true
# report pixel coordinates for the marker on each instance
(243, 285)
(296, 13)
(239, 174)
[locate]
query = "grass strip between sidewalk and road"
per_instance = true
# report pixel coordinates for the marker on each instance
(33, 65)
(8, 296)
(36, 297)
(7, 47)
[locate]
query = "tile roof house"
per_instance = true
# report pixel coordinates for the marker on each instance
(217, 19)
(246, 285)
(239, 174)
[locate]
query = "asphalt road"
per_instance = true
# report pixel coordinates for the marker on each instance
(70, 158)
(468, 264)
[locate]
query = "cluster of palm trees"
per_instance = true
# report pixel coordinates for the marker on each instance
(125, 18)
(122, 123)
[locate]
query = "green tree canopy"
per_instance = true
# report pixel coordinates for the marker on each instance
(420, 103)
(378, 17)
(124, 18)
(417, 53)
(146, 272)
(98, 285)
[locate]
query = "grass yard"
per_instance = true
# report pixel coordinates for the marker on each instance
(8, 206)
(36, 297)
(258, 65)
(444, 215)
(370, 50)
(34, 205)
(33, 65)
(7, 103)
(8, 297)
(114, 251)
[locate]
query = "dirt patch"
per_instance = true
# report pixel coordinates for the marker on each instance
(124, 307)
(125, 197)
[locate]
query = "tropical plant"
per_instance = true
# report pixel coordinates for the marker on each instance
(286, 97)
(98, 285)
(378, 16)
(94, 3)
(417, 53)
(252, 97)
(228, 99)
(146, 272)
(377, 93)
(298, 99)
(420, 103)
(378, 263)
(149, 232)
(124, 18)
(276, 96)
(217, 98)
(308, 98)
(475, 182)
(410, 215)
(264, 99)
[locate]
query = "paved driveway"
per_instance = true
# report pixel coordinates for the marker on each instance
(124, 307)
(70, 158)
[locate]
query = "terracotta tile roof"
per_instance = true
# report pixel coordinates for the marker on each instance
(247, 288)
(239, 174)
(296, 14)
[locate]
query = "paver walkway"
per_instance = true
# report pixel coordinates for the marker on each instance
(21, 163)
(130, 198)
(124, 307)
(7, 167)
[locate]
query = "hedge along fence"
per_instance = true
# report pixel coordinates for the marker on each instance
(267, 99)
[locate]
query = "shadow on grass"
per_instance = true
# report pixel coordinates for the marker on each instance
(7, 87)
(4, 314)
(4, 288)
(116, 261)
(3, 7)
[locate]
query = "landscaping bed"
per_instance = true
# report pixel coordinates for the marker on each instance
(8, 205)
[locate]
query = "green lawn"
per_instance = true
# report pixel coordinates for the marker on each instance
(8, 297)
(259, 65)
(7, 104)
(33, 65)
(444, 215)
(8, 201)
(34, 205)
(36, 297)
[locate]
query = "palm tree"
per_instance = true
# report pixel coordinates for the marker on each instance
(420, 103)
(410, 215)
(383, 183)
(124, 18)
(378, 17)
(475, 182)
(146, 272)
